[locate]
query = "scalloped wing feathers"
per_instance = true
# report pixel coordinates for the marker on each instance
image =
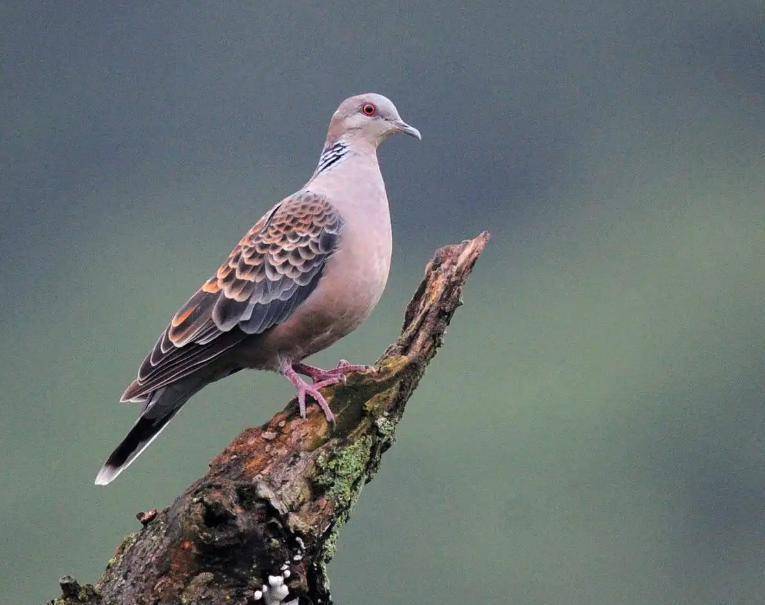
(273, 269)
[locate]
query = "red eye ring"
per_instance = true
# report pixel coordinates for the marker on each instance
(368, 109)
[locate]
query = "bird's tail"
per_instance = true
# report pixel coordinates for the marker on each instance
(158, 411)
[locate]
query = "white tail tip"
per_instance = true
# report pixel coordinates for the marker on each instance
(106, 475)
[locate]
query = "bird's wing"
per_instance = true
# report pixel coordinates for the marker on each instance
(270, 272)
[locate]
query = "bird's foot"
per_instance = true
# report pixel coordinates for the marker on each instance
(303, 389)
(338, 374)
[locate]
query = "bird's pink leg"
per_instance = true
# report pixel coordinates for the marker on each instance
(338, 374)
(303, 389)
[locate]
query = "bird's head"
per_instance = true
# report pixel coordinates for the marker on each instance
(368, 118)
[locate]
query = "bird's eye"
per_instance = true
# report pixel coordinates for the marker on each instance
(368, 109)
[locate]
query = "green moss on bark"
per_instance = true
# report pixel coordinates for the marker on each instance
(343, 474)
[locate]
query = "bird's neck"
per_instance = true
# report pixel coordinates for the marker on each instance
(348, 173)
(346, 153)
(332, 154)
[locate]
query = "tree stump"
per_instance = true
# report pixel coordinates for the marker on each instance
(262, 524)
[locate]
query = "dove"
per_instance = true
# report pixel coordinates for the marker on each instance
(309, 272)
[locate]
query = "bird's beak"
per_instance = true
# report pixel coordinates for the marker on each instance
(402, 126)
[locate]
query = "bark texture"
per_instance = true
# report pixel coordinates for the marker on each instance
(262, 524)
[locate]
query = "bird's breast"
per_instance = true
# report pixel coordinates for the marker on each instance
(355, 275)
(351, 284)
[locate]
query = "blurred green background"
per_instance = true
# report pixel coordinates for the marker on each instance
(592, 432)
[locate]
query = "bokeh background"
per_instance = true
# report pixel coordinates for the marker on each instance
(593, 430)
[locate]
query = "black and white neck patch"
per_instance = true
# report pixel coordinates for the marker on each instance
(330, 156)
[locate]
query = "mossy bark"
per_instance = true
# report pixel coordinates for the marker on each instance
(268, 511)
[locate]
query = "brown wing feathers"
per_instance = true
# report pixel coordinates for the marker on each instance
(269, 273)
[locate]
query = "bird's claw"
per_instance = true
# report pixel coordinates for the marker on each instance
(346, 367)
(321, 378)
(313, 391)
(303, 389)
(337, 374)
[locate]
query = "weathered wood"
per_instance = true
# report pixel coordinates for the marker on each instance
(261, 525)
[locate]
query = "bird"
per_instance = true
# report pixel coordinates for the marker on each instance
(309, 272)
